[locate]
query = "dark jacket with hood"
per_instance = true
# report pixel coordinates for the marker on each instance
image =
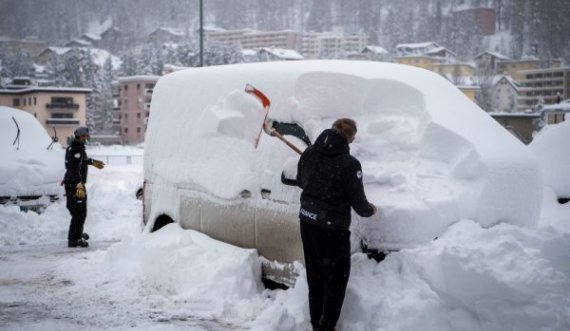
(331, 180)
(76, 162)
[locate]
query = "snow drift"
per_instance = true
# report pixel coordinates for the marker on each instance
(430, 156)
(550, 148)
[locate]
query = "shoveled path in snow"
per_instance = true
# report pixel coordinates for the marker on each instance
(35, 296)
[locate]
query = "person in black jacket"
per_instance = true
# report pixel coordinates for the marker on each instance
(76, 162)
(331, 180)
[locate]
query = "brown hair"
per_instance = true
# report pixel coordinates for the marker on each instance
(346, 127)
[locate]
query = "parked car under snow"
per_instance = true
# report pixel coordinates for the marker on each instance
(430, 156)
(32, 164)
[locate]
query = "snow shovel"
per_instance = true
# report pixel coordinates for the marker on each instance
(266, 126)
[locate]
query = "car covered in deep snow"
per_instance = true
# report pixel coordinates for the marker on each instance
(32, 163)
(430, 156)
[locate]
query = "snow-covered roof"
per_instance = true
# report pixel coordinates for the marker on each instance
(563, 106)
(249, 52)
(126, 79)
(172, 31)
(375, 49)
(56, 50)
(80, 42)
(509, 79)
(493, 54)
(91, 37)
(434, 51)
(418, 45)
(33, 89)
(281, 53)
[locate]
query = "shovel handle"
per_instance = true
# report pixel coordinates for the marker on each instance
(274, 133)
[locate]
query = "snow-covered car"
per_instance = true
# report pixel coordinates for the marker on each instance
(430, 156)
(32, 164)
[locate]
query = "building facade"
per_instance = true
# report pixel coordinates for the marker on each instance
(514, 68)
(59, 110)
(334, 44)
(134, 98)
(482, 18)
(544, 86)
(251, 39)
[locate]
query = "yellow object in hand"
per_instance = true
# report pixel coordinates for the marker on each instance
(98, 164)
(80, 191)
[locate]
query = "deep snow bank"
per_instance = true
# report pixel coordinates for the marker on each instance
(31, 169)
(550, 147)
(430, 156)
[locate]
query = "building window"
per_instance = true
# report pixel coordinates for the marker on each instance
(62, 115)
(16, 102)
(24, 102)
(35, 101)
(138, 115)
(138, 130)
(126, 116)
(138, 87)
(126, 87)
(126, 130)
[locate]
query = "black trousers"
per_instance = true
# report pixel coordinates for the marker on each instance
(327, 261)
(78, 209)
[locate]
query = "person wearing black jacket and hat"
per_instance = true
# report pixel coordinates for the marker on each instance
(76, 162)
(331, 180)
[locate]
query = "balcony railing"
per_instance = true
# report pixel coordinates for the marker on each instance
(72, 106)
(62, 121)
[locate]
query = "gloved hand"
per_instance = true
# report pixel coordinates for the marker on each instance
(98, 164)
(80, 191)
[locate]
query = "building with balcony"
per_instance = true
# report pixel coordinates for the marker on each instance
(59, 109)
(544, 86)
(332, 44)
(251, 39)
(133, 103)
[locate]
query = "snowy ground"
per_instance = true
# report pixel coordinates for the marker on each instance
(501, 278)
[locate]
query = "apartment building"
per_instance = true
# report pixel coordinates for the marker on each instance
(332, 44)
(134, 98)
(251, 39)
(544, 86)
(59, 109)
(513, 68)
(285, 39)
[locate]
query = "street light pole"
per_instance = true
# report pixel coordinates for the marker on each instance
(201, 33)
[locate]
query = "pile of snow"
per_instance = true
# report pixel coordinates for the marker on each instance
(471, 278)
(554, 159)
(107, 219)
(554, 156)
(430, 156)
(28, 167)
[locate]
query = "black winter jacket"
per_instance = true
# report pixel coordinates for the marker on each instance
(331, 180)
(76, 162)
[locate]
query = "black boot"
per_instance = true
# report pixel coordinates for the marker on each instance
(77, 243)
